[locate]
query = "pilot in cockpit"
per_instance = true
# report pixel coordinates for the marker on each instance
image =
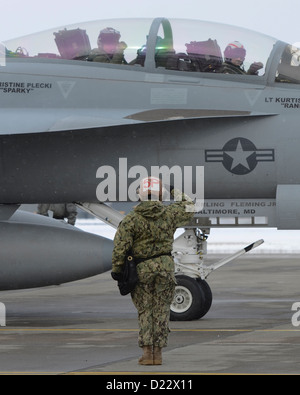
(234, 56)
(163, 51)
(110, 49)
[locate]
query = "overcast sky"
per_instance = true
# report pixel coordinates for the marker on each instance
(277, 18)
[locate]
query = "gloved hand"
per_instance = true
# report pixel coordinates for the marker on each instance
(166, 192)
(116, 276)
(253, 70)
(171, 188)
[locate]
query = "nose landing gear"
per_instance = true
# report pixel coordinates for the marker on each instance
(193, 297)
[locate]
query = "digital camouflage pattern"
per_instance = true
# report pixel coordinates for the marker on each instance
(152, 298)
(148, 231)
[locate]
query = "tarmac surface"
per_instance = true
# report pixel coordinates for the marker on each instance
(86, 327)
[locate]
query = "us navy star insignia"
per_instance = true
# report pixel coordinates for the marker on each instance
(240, 156)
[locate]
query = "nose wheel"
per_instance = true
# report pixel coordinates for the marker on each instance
(183, 300)
(192, 299)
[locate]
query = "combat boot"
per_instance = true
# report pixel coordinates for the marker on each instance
(157, 356)
(147, 357)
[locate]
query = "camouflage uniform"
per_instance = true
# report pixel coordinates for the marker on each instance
(148, 232)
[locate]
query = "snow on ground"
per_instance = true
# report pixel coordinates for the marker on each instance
(225, 240)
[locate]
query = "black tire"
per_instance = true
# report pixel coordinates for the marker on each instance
(189, 300)
(208, 297)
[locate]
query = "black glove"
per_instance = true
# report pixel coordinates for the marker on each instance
(171, 188)
(116, 276)
(255, 67)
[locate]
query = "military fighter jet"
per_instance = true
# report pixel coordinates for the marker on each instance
(89, 105)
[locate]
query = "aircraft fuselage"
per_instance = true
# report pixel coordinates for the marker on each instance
(65, 113)
(242, 136)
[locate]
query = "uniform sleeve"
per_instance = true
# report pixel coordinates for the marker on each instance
(183, 209)
(123, 242)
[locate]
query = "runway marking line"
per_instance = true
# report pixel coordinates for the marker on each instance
(136, 330)
(169, 373)
(30, 373)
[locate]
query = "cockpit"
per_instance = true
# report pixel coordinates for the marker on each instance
(172, 45)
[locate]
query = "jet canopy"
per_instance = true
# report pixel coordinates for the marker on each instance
(171, 44)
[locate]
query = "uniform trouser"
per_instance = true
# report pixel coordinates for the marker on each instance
(152, 298)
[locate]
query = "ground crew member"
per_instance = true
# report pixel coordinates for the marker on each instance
(60, 211)
(110, 49)
(148, 232)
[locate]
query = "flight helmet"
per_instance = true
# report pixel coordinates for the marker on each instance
(151, 188)
(109, 35)
(235, 50)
